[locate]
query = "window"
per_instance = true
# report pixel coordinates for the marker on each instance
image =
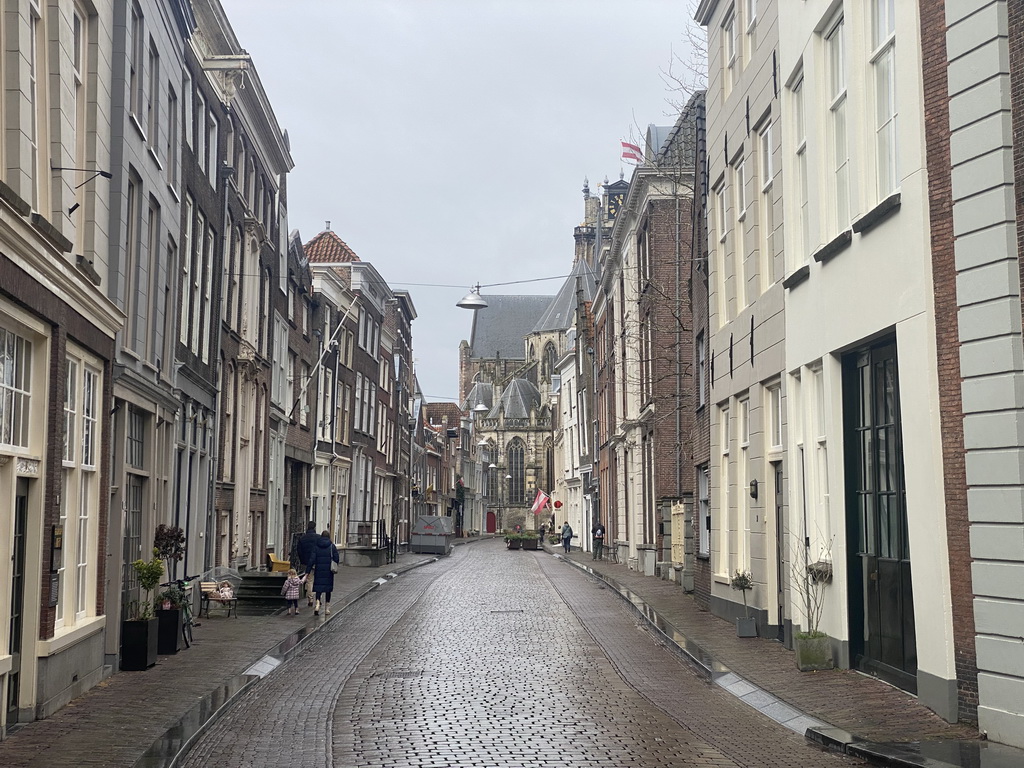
(212, 135)
(172, 148)
(15, 388)
(803, 228)
(702, 369)
(766, 212)
(775, 417)
(152, 291)
(304, 394)
(131, 265)
(739, 243)
(37, 108)
(703, 511)
(135, 83)
(517, 468)
(200, 128)
(79, 505)
(835, 41)
(79, 88)
(199, 247)
(883, 62)
(358, 421)
(203, 344)
(153, 99)
(729, 53)
(821, 452)
(750, 13)
(186, 273)
(186, 117)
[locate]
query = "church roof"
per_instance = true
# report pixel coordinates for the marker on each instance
(519, 397)
(328, 248)
(481, 393)
(561, 312)
(500, 327)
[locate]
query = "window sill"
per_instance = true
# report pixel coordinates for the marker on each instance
(797, 277)
(878, 214)
(51, 233)
(837, 245)
(155, 156)
(138, 126)
(14, 200)
(704, 556)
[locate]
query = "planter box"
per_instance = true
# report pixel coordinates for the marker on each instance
(139, 644)
(813, 653)
(514, 544)
(169, 634)
(530, 544)
(746, 627)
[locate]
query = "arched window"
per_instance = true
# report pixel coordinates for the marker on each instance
(516, 454)
(550, 358)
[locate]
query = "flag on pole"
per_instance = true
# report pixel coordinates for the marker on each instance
(631, 151)
(539, 502)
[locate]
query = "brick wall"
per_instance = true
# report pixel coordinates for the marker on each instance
(937, 138)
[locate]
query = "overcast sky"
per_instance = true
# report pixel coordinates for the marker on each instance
(447, 140)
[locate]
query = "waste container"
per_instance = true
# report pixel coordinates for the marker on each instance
(432, 535)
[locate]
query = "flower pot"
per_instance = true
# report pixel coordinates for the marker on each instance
(529, 544)
(515, 544)
(812, 653)
(139, 644)
(746, 626)
(170, 630)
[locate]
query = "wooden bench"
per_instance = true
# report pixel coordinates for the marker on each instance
(209, 592)
(274, 565)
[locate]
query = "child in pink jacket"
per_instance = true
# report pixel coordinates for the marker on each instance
(291, 589)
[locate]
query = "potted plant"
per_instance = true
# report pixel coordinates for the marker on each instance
(746, 625)
(169, 618)
(813, 647)
(169, 546)
(513, 540)
(139, 631)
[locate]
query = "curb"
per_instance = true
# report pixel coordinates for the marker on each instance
(176, 741)
(816, 731)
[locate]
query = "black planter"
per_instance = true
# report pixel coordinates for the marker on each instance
(170, 630)
(138, 644)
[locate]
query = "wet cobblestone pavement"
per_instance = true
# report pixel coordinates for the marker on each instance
(493, 658)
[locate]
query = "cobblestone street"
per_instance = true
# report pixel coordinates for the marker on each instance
(493, 658)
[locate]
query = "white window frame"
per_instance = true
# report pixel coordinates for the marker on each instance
(803, 229)
(730, 51)
(836, 58)
(883, 65)
(766, 209)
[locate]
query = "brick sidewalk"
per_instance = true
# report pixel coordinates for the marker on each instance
(115, 722)
(849, 700)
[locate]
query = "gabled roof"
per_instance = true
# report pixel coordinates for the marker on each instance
(328, 248)
(499, 328)
(561, 312)
(448, 415)
(518, 399)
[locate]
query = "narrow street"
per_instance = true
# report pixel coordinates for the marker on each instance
(493, 658)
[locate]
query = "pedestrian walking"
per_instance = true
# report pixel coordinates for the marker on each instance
(325, 563)
(291, 589)
(543, 534)
(598, 532)
(307, 548)
(567, 537)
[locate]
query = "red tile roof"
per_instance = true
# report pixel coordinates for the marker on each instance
(328, 248)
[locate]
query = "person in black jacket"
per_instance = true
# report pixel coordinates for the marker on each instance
(324, 555)
(307, 550)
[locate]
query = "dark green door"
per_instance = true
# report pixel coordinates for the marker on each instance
(883, 640)
(16, 624)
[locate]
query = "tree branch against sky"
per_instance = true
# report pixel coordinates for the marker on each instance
(447, 141)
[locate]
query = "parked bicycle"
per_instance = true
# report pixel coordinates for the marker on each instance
(187, 620)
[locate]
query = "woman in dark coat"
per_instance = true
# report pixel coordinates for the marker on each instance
(324, 554)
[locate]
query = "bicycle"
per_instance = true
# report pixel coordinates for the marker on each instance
(187, 620)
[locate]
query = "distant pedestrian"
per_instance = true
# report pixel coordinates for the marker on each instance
(291, 589)
(567, 537)
(325, 555)
(307, 548)
(598, 532)
(543, 534)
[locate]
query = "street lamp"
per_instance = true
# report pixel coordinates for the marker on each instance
(472, 300)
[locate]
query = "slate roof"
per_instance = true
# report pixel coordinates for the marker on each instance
(328, 248)
(518, 398)
(448, 415)
(561, 312)
(480, 393)
(499, 328)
